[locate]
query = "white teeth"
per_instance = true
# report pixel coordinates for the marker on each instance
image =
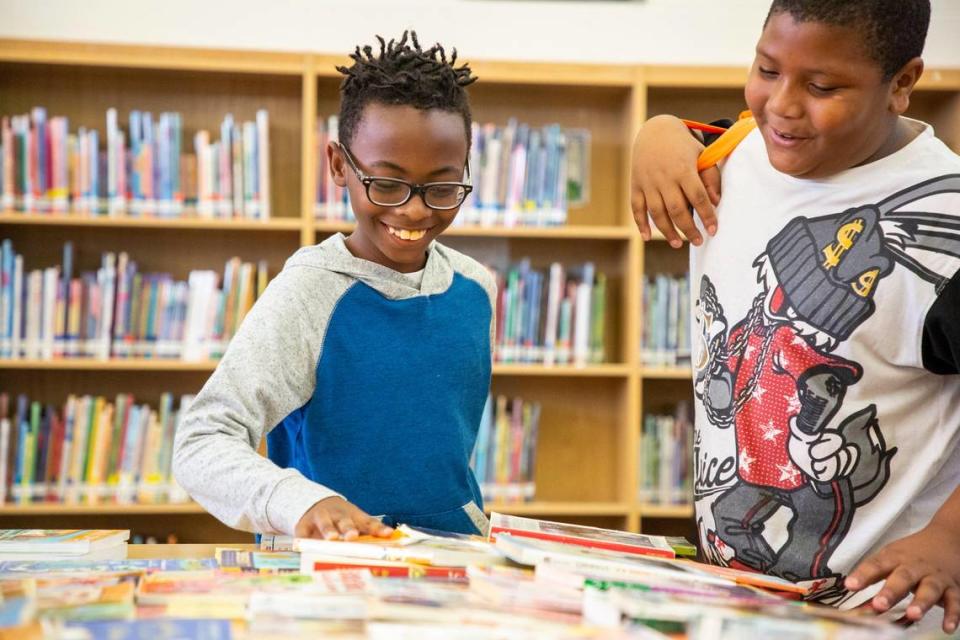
(407, 234)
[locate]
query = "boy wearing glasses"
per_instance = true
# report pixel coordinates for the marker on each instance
(366, 363)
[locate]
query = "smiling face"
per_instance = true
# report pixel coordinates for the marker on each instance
(820, 101)
(416, 145)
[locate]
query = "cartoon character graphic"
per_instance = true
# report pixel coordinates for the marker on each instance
(775, 380)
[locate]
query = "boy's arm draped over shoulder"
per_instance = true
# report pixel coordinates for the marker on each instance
(665, 185)
(267, 372)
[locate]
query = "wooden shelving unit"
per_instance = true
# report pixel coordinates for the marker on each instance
(587, 458)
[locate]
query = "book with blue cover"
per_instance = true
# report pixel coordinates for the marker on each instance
(157, 629)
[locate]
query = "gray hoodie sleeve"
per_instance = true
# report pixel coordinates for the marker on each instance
(268, 371)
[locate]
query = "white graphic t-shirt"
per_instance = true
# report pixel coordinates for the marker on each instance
(820, 436)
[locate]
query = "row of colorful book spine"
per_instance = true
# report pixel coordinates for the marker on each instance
(140, 171)
(666, 464)
(551, 317)
(118, 311)
(89, 450)
(505, 453)
(665, 340)
(520, 175)
(332, 202)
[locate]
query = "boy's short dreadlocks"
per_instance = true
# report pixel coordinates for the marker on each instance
(893, 31)
(403, 74)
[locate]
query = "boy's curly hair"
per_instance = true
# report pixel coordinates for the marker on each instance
(893, 31)
(403, 74)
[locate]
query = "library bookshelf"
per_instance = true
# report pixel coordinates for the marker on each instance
(587, 457)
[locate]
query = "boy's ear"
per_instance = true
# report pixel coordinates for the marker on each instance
(901, 87)
(338, 165)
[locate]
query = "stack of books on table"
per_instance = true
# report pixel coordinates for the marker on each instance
(528, 579)
(63, 544)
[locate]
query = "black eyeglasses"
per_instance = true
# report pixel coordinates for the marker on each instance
(394, 192)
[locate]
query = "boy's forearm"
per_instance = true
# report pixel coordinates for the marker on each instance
(266, 373)
(225, 474)
(948, 515)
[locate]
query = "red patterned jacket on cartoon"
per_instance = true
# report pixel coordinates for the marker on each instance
(762, 424)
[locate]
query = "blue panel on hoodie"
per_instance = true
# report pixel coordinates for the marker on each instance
(399, 394)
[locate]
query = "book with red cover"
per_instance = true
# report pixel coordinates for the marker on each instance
(580, 535)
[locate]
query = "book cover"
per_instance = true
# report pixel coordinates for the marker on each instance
(408, 544)
(60, 541)
(311, 563)
(157, 629)
(580, 535)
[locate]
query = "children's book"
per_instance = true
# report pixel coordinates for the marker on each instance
(576, 559)
(259, 561)
(605, 563)
(156, 629)
(410, 544)
(86, 597)
(17, 601)
(516, 590)
(762, 580)
(165, 587)
(580, 535)
(276, 542)
(312, 563)
(44, 544)
(331, 595)
(84, 566)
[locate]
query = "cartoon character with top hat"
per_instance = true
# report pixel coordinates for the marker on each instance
(774, 378)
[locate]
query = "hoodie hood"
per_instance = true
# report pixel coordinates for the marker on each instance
(332, 255)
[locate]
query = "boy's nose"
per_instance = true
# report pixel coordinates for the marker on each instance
(784, 100)
(415, 208)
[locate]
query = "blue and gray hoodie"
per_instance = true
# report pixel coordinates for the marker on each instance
(364, 385)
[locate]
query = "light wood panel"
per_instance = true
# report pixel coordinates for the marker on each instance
(577, 448)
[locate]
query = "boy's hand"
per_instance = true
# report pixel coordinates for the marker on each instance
(665, 182)
(335, 518)
(926, 563)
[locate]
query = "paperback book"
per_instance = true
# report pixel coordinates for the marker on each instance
(580, 535)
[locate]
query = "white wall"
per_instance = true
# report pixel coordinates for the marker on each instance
(702, 32)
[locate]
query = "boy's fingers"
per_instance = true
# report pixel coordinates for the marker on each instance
(679, 209)
(895, 589)
(347, 528)
(662, 220)
(711, 181)
(367, 524)
(927, 594)
(639, 205)
(696, 195)
(325, 526)
(951, 609)
(874, 568)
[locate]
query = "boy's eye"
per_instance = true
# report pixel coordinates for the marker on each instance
(443, 191)
(767, 73)
(819, 88)
(387, 186)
